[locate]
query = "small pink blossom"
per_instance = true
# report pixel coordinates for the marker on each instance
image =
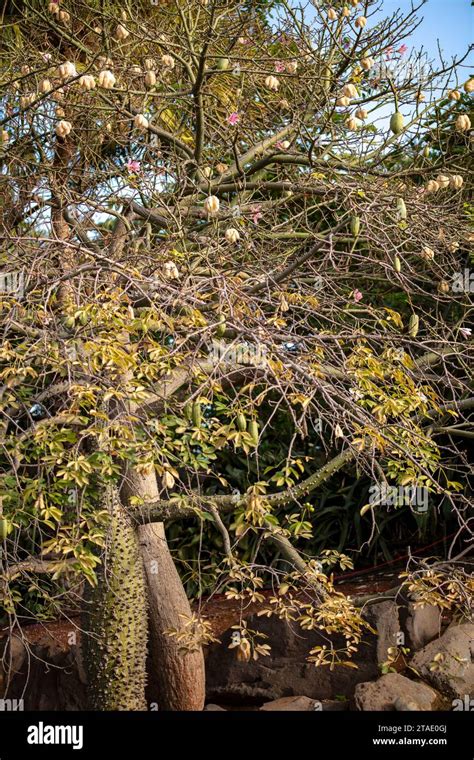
(466, 332)
(357, 295)
(256, 214)
(279, 66)
(233, 118)
(402, 49)
(133, 166)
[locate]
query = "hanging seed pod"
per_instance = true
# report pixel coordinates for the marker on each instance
(397, 264)
(361, 114)
(454, 95)
(443, 181)
(413, 325)
(456, 181)
(469, 86)
(196, 414)
(254, 432)
(401, 209)
(222, 64)
(432, 186)
(241, 422)
(397, 123)
(463, 123)
(121, 33)
(343, 101)
(355, 225)
(221, 327)
(349, 91)
(232, 235)
(5, 528)
(211, 205)
(443, 286)
(272, 83)
(45, 86)
(332, 14)
(150, 79)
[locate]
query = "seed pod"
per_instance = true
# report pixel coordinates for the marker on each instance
(222, 64)
(45, 86)
(106, 79)
(196, 414)
(63, 128)
(432, 186)
(397, 264)
(355, 225)
(241, 422)
(443, 286)
(443, 181)
(413, 325)
(4, 136)
(141, 122)
(332, 14)
(150, 79)
(64, 17)
(401, 209)
(469, 86)
(349, 91)
(456, 181)
(5, 528)
(211, 205)
(188, 411)
(343, 101)
(87, 82)
(360, 22)
(232, 235)
(121, 33)
(221, 327)
(454, 95)
(367, 63)
(351, 123)
(397, 123)
(463, 123)
(253, 430)
(427, 253)
(168, 61)
(272, 83)
(67, 70)
(426, 151)
(361, 113)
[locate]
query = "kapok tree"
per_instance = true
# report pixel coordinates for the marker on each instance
(224, 226)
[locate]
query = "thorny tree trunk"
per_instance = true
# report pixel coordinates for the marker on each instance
(116, 621)
(180, 677)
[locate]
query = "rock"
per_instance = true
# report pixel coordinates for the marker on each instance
(453, 673)
(422, 625)
(301, 704)
(285, 672)
(383, 616)
(214, 708)
(393, 691)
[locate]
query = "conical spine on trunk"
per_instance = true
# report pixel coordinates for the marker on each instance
(115, 642)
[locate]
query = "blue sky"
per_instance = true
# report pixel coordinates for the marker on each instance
(450, 21)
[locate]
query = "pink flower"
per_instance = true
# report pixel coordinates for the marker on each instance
(402, 49)
(357, 295)
(133, 166)
(256, 214)
(466, 332)
(279, 66)
(233, 118)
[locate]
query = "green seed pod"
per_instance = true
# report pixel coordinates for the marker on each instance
(401, 208)
(84, 318)
(222, 64)
(355, 225)
(69, 322)
(221, 327)
(5, 528)
(188, 411)
(253, 430)
(426, 152)
(397, 123)
(241, 422)
(196, 414)
(413, 325)
(397, 264)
